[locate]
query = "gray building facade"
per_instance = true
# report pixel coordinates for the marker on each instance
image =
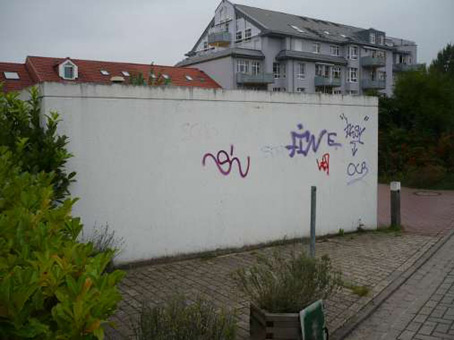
(251, 48)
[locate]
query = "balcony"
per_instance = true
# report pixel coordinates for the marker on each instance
(406, 67)
(373, 61)
(219, 39)
(327, 82)
(369, 84)
(261, 78)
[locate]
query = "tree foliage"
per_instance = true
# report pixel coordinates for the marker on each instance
(416, 125)
(36, 146)
(51, 286)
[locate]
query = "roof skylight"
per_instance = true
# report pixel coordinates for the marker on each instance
(343, 36)
(326, 32)
(11, 75)
(104, 72)
(296, 28)
(152, 75)
(165, 76)
(125, 73)
(188, 77)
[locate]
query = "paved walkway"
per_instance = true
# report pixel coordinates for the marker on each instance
(422, 308)
(422, 211)
(367, 259)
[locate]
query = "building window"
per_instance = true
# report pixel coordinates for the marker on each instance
(336, 72)
(11, 75)
(239, 36)
(352, 92)
(104, 72)
(69, 72)
(276, 89)
(300, 89)
(372, 38)
(381, 75)
(247, 34)
(301, 71)
(279, 70)
(298, 45)
(226, 27)
(334, 50)
(352, 75)
(255, 67)
(242, 66)
(337, 91)
(381, 39)
(322, 70)
(125, 73)
(316, 48)
(188, 78)
(205, 45)
(353, 52)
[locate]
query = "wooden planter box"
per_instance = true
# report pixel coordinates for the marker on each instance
(283, 326)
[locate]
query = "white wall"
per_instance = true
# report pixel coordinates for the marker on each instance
(138, 154)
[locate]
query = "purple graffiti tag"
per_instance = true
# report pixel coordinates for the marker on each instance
(354, 133)
(357, 171)
(222, 157)
(303, 142)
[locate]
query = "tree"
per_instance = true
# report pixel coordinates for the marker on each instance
(36, 148)
(444, 63)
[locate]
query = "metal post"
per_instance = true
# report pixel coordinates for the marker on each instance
(313, 210)
(395, 203)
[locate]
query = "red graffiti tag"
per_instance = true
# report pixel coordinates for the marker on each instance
(222, 158)
(323, 165)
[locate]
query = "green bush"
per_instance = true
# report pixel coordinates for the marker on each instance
(278, 285)
(51, 286)
(35, 147)
(180, 320)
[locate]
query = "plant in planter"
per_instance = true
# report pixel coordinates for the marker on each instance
(280, 288)
(182, 320)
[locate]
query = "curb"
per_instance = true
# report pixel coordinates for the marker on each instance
(372, 305)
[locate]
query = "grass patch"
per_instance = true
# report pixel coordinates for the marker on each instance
(341, 232)
(357, 290)
(396, 229)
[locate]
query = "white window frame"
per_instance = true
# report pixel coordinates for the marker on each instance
(256, 67)
(351, 55)
(352, 76)
(247, 34)
(61, 70)
(382, 75)
(279, 70)
(300, 89)
(301, 70)
(242, 66)
(335, 50)
(381, 39)
(316, 47)
(372, 38)
(239, 36)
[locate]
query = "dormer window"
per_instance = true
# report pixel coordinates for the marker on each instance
(372, 38)
(68, 70)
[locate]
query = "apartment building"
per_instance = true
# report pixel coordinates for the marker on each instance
(252, 48)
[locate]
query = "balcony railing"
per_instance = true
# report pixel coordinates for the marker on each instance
(322, 81)
(369, 84)
(261, 78)
(370, 61)
(219, 39)
(406, 67)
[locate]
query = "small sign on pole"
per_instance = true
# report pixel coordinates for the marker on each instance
(313, 326)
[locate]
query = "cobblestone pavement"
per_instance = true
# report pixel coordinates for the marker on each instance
(366, 259)
(422, 308)
(422, 211)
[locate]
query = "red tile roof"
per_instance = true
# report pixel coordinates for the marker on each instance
(15, 84)
(45, 69)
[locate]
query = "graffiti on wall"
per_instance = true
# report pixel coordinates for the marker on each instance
(303, 141)
(354, 132)
(323, 164)
(224, 161)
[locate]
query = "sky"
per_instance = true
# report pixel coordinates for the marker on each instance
(162, 31)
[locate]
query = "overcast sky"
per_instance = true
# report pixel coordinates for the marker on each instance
(162, 31)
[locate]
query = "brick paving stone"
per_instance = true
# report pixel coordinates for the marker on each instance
(365, 258)
(433, 320)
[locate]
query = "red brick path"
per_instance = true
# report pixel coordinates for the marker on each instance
(422, 211)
